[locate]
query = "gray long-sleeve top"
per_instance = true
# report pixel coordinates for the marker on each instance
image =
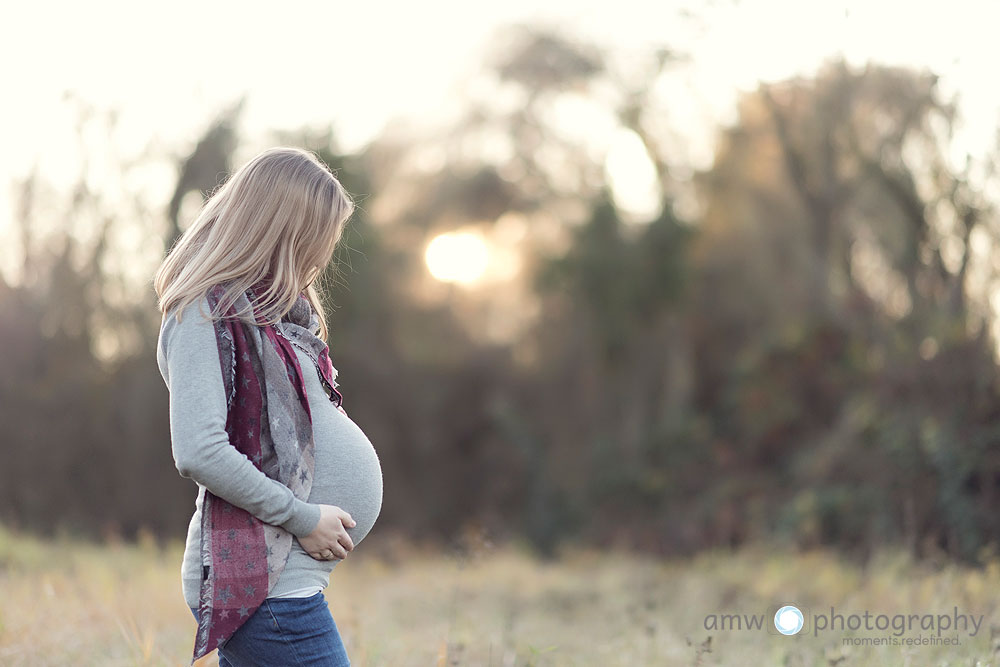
(347, 473)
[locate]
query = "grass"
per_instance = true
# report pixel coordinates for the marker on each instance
(69, 602)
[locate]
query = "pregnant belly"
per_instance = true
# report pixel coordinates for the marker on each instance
(348, 473)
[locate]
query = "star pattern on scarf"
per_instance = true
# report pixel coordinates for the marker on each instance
(225, 594)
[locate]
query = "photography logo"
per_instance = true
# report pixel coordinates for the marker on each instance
(788, 620)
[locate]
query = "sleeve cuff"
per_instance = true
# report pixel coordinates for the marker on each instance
(305, 518)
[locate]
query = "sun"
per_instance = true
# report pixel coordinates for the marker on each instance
(457, 257)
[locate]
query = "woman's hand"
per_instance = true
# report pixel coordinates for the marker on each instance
(329, 540)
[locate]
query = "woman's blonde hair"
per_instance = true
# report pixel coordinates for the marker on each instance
(280, 215)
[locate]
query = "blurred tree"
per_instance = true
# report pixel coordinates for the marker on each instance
(204, 169)
(836, 249)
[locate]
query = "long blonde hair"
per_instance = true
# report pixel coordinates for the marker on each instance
(281, 214)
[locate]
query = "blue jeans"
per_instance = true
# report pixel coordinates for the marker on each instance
(286, 632)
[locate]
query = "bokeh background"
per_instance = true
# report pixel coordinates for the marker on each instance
(664, 278)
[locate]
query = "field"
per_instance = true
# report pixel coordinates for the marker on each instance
(68, 602)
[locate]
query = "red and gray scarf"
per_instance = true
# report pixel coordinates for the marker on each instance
(270, 422)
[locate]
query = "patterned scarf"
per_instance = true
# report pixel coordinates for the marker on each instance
(270, 422)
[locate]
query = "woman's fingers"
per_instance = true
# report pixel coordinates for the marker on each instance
(330, 553)
(330, 538)
(347, 542)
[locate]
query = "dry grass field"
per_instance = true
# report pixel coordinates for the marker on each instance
(66, 602)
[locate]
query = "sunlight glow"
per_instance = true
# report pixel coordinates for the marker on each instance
(632, 177)
(458, 257)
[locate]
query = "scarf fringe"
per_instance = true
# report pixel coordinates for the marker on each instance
(232, 367)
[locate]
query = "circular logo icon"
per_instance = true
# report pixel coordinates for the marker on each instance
(788, 620)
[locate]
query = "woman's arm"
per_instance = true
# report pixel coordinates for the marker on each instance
(188, 357)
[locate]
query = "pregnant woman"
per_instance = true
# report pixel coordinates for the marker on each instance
(288, 484)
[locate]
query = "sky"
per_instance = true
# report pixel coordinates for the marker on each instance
(169, 66)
